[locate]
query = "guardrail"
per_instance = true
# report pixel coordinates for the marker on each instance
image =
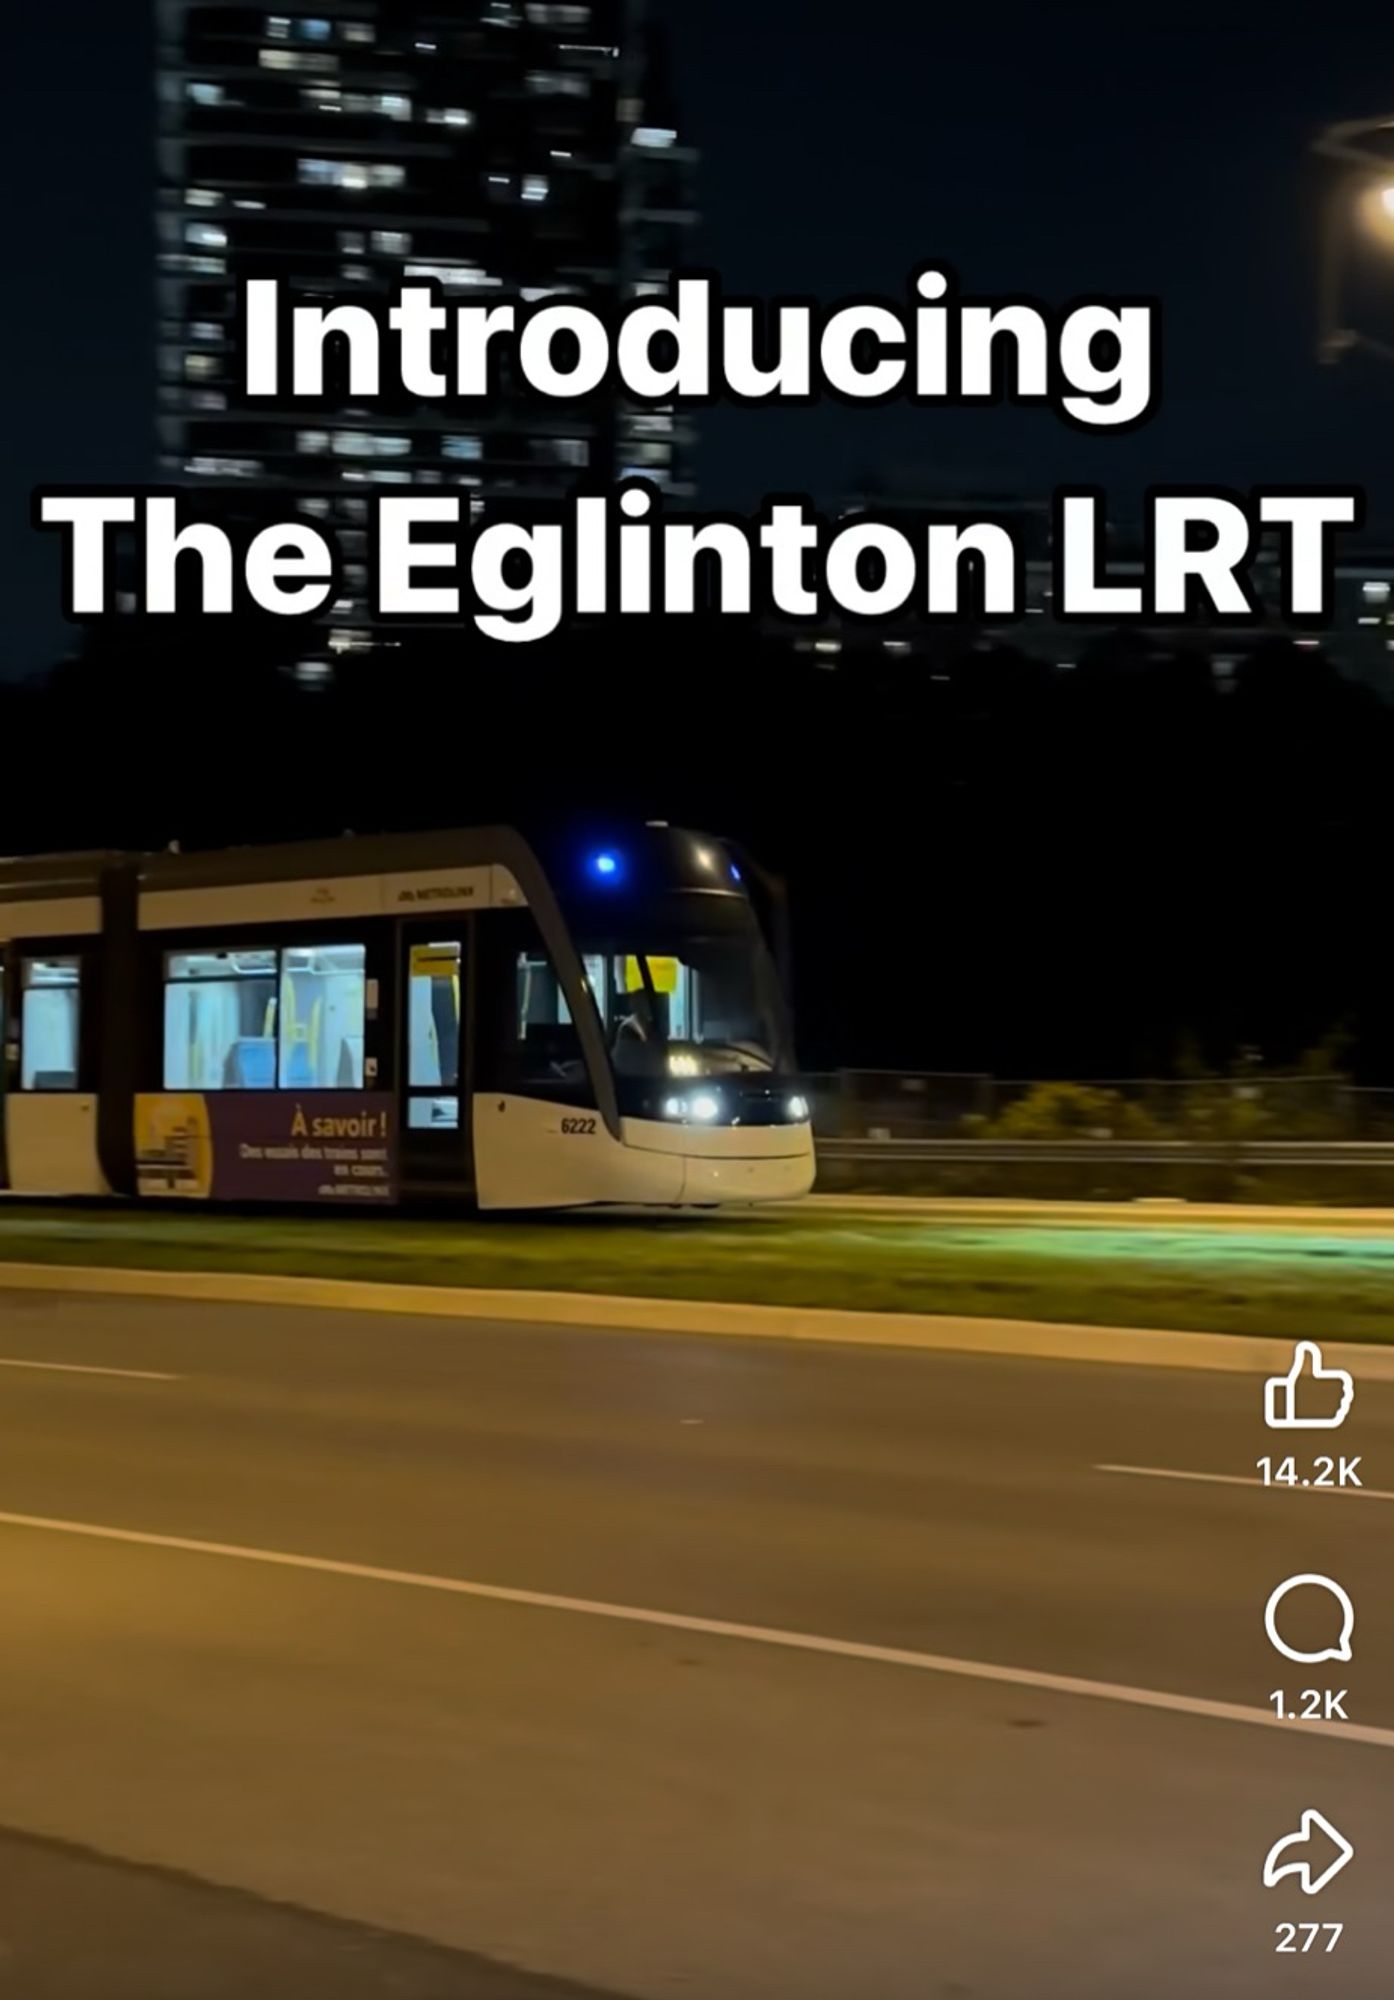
(1117, 1152)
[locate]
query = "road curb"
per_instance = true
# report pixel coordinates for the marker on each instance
(927, 1332)
(1155, 1211)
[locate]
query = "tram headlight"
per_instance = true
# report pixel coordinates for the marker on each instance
(703, 1107)
(699, 1107)
(797, 1109)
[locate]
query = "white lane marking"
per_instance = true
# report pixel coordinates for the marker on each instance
(1235, 1479)
(721, 1628)
(80, 1368)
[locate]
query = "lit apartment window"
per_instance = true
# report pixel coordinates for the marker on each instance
(547, 14)
(561, 451)
(352, 174)
(535, 187)
(369, 444)
(201, 198)
(207, 93)
(312, 443)
(201, 367)
(449, 114)
(358, 103)
(298, 59)
(557, 83)
(657, 137)
(452, 274)
(462, 447)
(392, 242)
(205, 329)
(206, 235)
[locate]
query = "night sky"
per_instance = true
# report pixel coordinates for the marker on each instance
(1052, 150)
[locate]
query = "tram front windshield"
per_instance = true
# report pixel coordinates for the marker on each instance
(683, 983)
(685, 1004)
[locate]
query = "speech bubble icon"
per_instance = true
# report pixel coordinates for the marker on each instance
(1341, 1650)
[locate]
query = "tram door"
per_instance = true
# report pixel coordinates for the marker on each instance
(437, 1152)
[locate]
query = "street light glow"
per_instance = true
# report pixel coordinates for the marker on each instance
(1374, 207)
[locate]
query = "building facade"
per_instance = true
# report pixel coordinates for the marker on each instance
(508, 149)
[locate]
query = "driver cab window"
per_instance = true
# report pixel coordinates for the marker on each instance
(643, 999)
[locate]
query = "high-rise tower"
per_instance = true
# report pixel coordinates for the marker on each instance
(507, 148)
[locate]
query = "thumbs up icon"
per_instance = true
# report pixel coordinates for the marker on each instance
(1310, 1397)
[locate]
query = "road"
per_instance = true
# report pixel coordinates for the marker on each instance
(463, 1746)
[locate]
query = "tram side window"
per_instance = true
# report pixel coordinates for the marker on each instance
(49, 1023)
(257, 1019)
(532, 1045)
(220, 1020)
(544, 1056)
(323, 988)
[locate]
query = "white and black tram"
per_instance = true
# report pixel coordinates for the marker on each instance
(523, 1023)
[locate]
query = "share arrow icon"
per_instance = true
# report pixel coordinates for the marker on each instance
(1326, 1854)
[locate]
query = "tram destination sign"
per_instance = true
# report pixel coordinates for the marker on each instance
(331, 1146)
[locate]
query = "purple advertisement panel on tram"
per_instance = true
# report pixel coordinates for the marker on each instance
(333, 1146)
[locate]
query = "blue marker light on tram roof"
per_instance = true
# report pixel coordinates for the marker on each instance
(605, 865)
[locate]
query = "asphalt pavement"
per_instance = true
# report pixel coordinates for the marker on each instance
(351, 1655)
